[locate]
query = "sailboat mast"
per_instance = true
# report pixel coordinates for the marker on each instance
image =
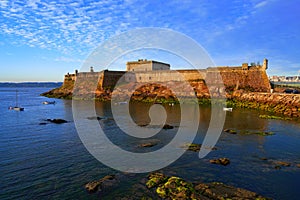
(16, 98)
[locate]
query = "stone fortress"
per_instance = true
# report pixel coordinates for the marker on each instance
(246, 86)
(248, 77)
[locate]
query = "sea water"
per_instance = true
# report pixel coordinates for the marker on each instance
(41, 160)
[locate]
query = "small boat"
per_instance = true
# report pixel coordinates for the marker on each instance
(227, 109)
(49, 102)
(16, 108)
(121, 103)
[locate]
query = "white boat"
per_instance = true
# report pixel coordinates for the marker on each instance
(49, 102)
(227, 109)
(16, 108)
(121, 103)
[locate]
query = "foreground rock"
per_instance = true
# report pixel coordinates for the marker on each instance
(177, 188)
(95, 186)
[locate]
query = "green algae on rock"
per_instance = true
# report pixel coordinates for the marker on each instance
(176, 188)
(274, 117)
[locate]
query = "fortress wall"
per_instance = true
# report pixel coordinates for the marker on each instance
(164, 75)
(110, 78)
(253, 80)
(153, 76)
(69, 77)
(193, 74)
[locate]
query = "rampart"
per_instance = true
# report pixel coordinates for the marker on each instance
(251, 78)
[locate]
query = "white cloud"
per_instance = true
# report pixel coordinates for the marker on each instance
(69, 60)
(3, 3)
(261, 4)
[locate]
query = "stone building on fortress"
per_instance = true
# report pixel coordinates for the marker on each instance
(251, 77)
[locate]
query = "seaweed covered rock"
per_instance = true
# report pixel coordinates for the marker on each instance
(176, 188)
(173, 187)
(155, 179)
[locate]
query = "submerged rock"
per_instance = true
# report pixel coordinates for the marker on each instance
(149, 144)
(220, 161)
(193, 147)
(57, 121)
(282, 163)
(95, 118)
(95, 186)
(231, 131)
(274, 117)
(261, 133)
(196, 147)
(167, 126)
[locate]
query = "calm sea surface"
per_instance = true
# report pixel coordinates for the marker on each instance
(50, 162)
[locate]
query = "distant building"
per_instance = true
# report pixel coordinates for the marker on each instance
(146, 65)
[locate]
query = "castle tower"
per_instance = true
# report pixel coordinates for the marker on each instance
(265, 64)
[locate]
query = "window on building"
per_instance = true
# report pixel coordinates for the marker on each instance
(140, 78)
(149, 77)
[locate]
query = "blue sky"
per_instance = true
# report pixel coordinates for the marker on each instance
(41, 40)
